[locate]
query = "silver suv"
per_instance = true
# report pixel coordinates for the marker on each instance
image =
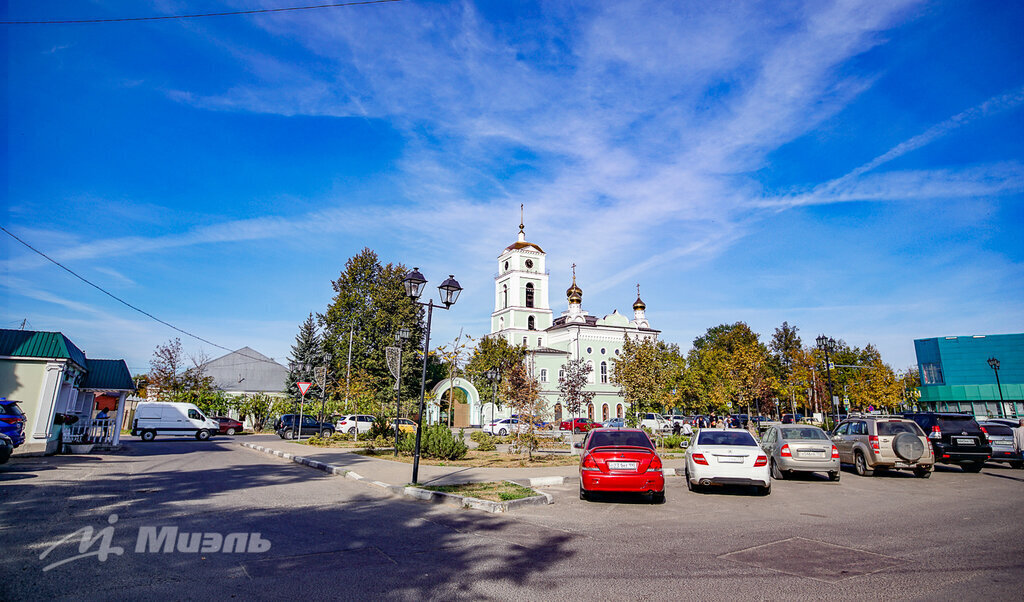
(878, 443)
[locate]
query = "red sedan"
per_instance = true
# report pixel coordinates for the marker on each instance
(228, 426)
(620, 460)
(578, 425)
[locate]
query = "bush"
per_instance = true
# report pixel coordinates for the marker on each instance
(674, 441)
(381, 428)
(525, 442)
(485, 443)
(477, 436)
(438, 442)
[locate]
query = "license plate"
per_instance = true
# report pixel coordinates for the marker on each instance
(622, 465)
(730, 459)
(964, 440)
(810, 454)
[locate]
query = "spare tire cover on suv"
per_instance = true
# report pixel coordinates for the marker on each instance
(908, 447)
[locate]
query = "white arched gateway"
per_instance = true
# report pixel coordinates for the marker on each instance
(467, 414)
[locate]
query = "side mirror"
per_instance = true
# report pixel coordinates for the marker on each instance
(578, 445)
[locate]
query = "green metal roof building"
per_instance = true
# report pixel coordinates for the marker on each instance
(956, 375)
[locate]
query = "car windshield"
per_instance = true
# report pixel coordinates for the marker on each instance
(725, 438)
(805, 433)
(895, 428)
(619, 439)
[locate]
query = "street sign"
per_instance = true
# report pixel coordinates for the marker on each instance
(320, 376)
(393, 356)
(303, 387)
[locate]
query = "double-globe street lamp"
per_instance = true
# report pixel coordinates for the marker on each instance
(994, 364)
(414, 283)
(828, 345)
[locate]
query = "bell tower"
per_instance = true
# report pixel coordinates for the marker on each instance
(521, 306)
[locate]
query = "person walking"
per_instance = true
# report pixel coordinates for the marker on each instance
(1018, 438)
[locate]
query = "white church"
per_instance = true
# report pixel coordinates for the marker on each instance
(522, 315)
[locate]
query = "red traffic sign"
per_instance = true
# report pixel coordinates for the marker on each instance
(304, 387)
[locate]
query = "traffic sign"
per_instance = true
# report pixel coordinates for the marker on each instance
(303, 387)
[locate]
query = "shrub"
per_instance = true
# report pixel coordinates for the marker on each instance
(438, 442)
(486, 442)
(673, 441)
(381, 428)
(477, 436)
(525, 442)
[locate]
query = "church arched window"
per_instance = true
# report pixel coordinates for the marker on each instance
(604, 373)
(531, 323)
(604, 413)
(504, 296)
(529, 294)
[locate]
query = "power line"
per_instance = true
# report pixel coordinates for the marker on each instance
(120, 300)
(199, 15)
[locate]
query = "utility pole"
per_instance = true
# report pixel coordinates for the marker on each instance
(348, 373)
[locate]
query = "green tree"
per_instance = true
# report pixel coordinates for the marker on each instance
(572, 389)
(368, 309)
(640, 376)
(497, 354)
(728, 368)
(173, 378)
(522, 391)
(307, 353)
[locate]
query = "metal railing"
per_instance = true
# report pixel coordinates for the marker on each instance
(96, 431)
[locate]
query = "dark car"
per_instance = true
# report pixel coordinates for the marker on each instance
(956, 438)
(1000, 436)
(6, 448)
(12, 421)
(310, 426)
(228, 426)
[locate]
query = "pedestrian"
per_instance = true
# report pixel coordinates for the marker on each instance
(687, 429)
(675, 428)
(1018, 438)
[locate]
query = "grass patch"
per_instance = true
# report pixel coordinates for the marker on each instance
(494, 491)
(479, 459)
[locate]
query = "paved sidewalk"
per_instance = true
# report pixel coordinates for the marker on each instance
(400, 473)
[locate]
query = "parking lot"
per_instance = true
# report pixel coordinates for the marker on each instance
(955, 535)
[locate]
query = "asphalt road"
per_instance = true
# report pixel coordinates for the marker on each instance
(954, 536)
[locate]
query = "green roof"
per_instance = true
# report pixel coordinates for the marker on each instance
(109, 375)
(30, 343)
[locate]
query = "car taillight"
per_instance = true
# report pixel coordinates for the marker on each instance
(984, 435)
(699, 459)
(589, 463)
(761, 461)
(874, 442)
(655, 465)
(835, 452)
(936, 433)
(784, 452)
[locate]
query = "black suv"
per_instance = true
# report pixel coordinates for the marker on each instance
(956, 438)
(285, 426)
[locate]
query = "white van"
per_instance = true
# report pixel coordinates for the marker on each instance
(172, 418)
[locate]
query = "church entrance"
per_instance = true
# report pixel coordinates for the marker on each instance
(558, 412)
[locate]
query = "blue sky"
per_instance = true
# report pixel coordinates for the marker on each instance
(853, 168)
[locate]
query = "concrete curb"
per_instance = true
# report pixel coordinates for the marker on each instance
(417, 493)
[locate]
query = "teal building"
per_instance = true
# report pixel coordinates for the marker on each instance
(956, 375)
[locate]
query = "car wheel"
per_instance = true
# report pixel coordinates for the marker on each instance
(326, 433)
(230, 432)
(286, 434)
(861, 465)
(833, 475)
(583, 493)
(503, 432)
(922, 472)
(148, 435)
(973, 467)
(776, 473)
(202, 435)
(352, 431)
(658, 498)
(766, 490)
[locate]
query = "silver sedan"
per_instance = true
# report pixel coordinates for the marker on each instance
(800, 448)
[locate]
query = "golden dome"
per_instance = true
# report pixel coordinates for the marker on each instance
(574, 293)
(639, 304)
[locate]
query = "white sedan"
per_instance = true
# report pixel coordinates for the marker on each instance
(501, 427)
(726, 457)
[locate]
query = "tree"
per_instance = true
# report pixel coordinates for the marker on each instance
(368, 309)
(307, 353)
(640, 376)
(257, 407)
(729, 367)
(572, 388)
(497, 354)
(173, 381)
(523, 394)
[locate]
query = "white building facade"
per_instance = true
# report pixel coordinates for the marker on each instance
(523, 316)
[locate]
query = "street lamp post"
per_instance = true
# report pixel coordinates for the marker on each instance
(994, 364)
(414, 283)
(828, 345)
(403, 334)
